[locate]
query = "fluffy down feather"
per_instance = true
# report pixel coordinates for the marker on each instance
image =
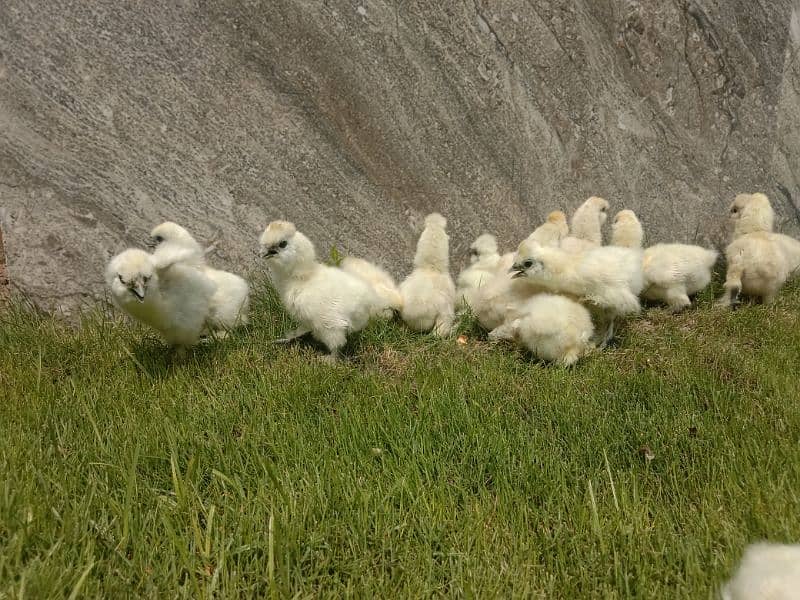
(609, 278)
(174, 299)
(767, 572)
(586, 226)
(672, 272)
(483, 259)
(429, 292)
(230, 303)
(325, 301)
(553, 328)
(552, 231)
(759, 261)
(382, 283)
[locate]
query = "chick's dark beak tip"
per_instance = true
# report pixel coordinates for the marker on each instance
(517, 274)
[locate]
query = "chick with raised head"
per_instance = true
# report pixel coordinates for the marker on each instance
(172, 298)
(483, 258)
(552, 231)
(325, 301)
(381, 282)
(672, 272)
(759, 261)
(585, 231)
(429, 292)
(551, 327)
(767, 572)
(608, 278)
(230, 304)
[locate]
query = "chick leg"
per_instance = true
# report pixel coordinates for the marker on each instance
(677, 299)
(334, 340)
(608, 335)
(733, 285)
(292, 335)
(443, 324)
(502, 332)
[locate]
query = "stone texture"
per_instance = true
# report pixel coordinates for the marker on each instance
(354, 119)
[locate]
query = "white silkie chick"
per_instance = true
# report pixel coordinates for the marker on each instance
(483, 258)
(672, 272)
(608, 277)
(173, 299)
(759, 261)
(553, 328)
(767, 572)
(325, 301)
(552, 231)
(586, 226)
(502, 298)
(230, 304)
(382, 283)
(429, 293)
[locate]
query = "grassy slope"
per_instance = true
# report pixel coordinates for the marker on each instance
(417, 467)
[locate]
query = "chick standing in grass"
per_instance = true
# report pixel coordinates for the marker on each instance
(230, 303)
(325, 301)
(759, 261)
(767, 572)
(172, 298)
(483, 258)
(429, 293)
(553, 328)
(383, 284)
(608, 278)
(585, 231)
(672, 272)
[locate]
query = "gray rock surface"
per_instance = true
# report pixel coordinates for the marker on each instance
(354, 119)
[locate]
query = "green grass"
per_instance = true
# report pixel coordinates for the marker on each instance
(417, 467)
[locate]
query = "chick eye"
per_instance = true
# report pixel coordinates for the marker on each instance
(146, 279)
(734, 210)
(159, 239)
(527, 264)
(283, 244)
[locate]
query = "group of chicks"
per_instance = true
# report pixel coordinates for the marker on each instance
(559, 295)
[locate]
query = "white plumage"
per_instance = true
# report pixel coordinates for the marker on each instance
(759, 261)
(483, 259)
(585, 231)
(429, 292)
(672, 272)
(553, 231)
(767, 572)
(552, 327)
(382, 283)
(608, 278)
(172, 298)
(325, 301)
(231, 301)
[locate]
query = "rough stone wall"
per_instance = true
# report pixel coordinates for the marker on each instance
(354, 119)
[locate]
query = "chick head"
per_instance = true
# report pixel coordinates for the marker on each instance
(600, 205)
(131, 274)
(283, 246)
(485, 245)
(557, 217)
(750, 213)
(627, 229)
(435, 220)
(169, 232)
(526, 261)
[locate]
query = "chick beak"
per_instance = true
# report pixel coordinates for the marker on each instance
(268, 252)
(138, 291)
(518, 271)
(150, 242)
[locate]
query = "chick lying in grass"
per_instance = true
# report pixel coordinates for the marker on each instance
(172, 298)
(551, 327)
(230, 303)
(429, 293)
(759, 261)
(672, 272)
(585, 231)
(767, 572)
(381, 282)
(326, 301)
(608, 278)
(483, 258)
